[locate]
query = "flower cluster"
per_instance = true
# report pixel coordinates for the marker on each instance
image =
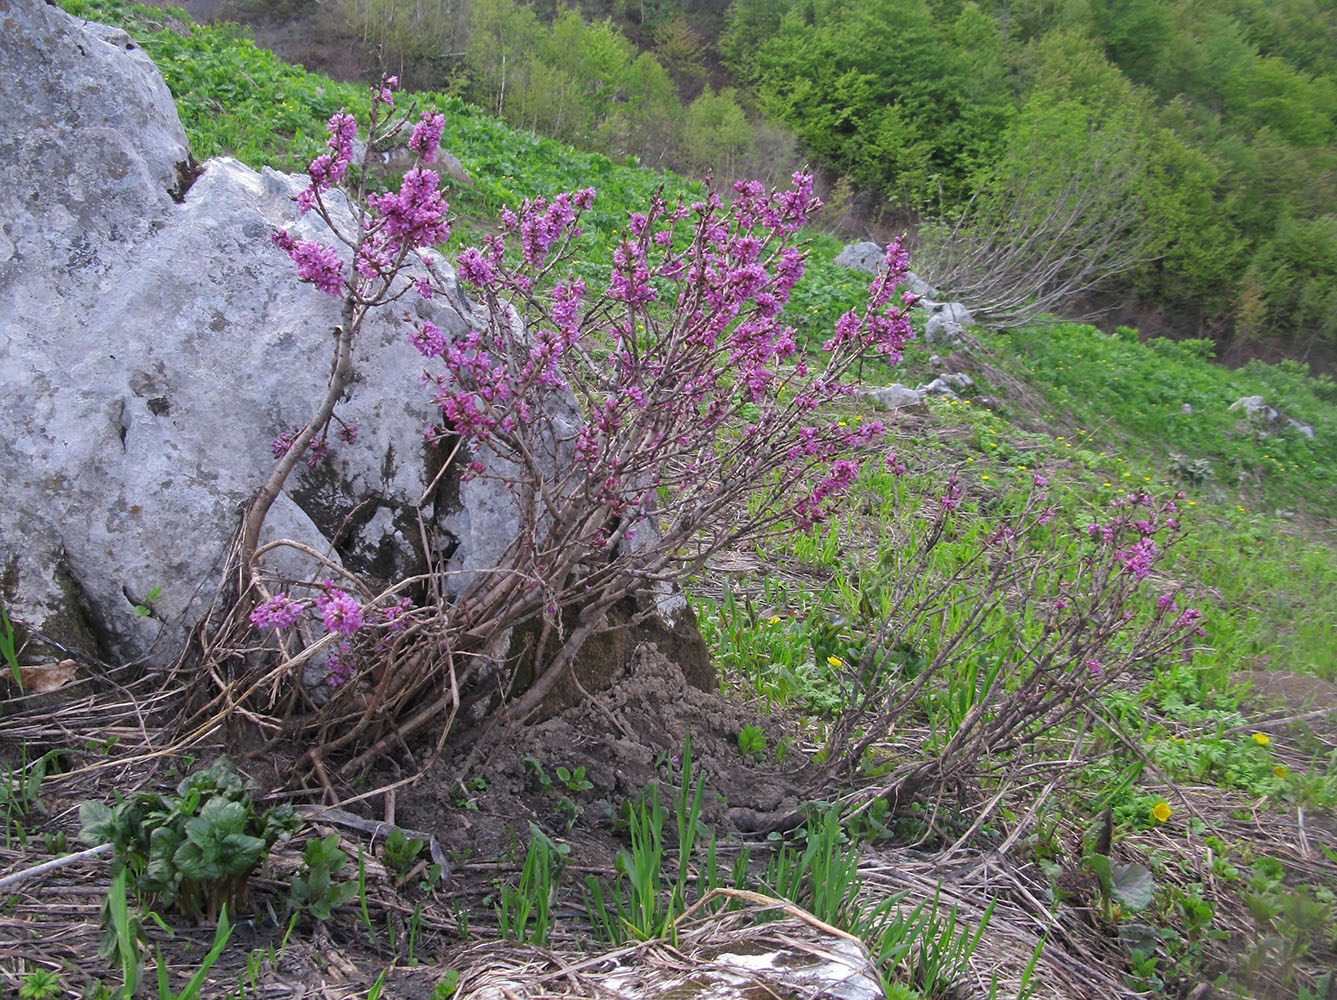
(395, 225)
(677, 376)
(277, 612)
(315, 262)
(328, 169)
(340, 612)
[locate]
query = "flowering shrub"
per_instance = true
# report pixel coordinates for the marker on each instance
(996, 630)
(637, 428)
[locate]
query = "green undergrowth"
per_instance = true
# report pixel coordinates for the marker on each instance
(1162, 400)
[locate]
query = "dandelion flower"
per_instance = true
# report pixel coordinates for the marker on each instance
(1160, 812)
(773, 620)
(835, 661)
(1262, 739)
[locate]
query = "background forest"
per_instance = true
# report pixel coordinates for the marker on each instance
(1210, 126)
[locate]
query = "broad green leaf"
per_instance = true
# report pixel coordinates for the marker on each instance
(1133, 886)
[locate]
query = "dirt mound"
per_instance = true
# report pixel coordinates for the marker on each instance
(626, 739)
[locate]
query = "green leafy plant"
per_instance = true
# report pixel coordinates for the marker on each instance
(144, 609)
(196, 982)
(39, 984)
(575, 781)
(824, 876)
(19, 790)
(123, 936)
(315, 890)
(194, 850)
(537, 776)
(1131, 886)
(401, 852)
(752, 742)
(644, 902)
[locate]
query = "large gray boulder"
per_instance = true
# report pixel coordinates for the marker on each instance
(153, 343)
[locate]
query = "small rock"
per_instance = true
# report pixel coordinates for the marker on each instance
(1255, 408)
(939, 331)
(952, 312)
(1186, 408)
(939, 389)
(896, 397)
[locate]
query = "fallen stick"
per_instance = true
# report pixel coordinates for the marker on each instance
(50, 866)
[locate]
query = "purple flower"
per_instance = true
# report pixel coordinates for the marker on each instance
(316, 263)
(281, 444)
(1137, 561)
(342, 128)
(318, 448)
(951, 500)
(427, 136)
(393, 616)
(341, 613)
(429, 340)
(341, 666)
(277, 612)
(348, 434)
(1189, 619)
(474, 268)
(415, 216)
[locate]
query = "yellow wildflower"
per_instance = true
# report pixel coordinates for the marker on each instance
(1281, 771)
(1262, 739)
(1160, 812)
(773, 620)
(835, 661)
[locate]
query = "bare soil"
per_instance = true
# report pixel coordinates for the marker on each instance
(628, 738)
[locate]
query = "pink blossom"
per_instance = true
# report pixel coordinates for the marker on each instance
(340, 612)
(341, 666)
(316, 263)
(427, 136)
(277, 612)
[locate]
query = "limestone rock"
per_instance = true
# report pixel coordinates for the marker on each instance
(153, 343)
(1255, 408)
(866, 257)
(939, 388)
(946, 322)
(896, 397)
(919, 286)
(870, 258)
